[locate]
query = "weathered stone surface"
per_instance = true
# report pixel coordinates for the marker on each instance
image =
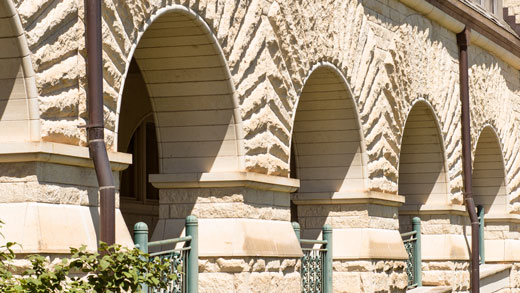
(390, 56)
(248, 275)
(449, 273)
(373, 55)
(232, 265)
(223, 203)
(346, 282)
(369, 276)
(216, 282)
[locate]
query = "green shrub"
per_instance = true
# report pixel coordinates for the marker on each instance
(113, 269)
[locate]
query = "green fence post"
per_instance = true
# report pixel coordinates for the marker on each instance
(327, 264)
(480, 210)
(417, 258)
(141, 240)
(296, 228)
(192, 269)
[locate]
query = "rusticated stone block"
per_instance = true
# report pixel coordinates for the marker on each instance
(369, 276)
(249, 274)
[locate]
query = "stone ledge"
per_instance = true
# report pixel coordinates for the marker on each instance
(237, 237)
(13, 152)
(456, 210)
(502, 218)
(433, 209)
(495, 277)
(431, 289)
(52, 228)
(224, 179)
(367, 243)
(362, 197)
(487, 270)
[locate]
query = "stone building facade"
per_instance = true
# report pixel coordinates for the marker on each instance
(253, 114)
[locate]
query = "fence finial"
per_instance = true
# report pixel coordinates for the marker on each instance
(141, 241)
(296, 228)
(192, 269)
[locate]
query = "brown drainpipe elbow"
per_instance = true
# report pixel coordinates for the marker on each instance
(95, 128)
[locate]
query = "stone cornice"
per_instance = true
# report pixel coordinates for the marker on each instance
(502, 218)
(361, 197)
(434, 209)
(455, 16)
(225, 179)
(457, 210)
(14, 152)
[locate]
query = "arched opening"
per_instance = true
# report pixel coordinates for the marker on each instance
(176, 112)
(489, 188)
(137, 136)
(422, 172)
(17, 109)
(326, 146)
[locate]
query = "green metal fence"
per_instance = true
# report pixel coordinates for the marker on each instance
(481, 212)
(316, 263)
(184, 259)
(412, 244)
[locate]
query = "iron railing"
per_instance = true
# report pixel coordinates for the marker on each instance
(184, 259)
(316, 262)
(412, 244)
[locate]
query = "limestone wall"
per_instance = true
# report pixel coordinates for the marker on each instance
(388, 55)
(270, 49)
(369, 276)
(249, 275)
(450, 273)
(493, 89)
(238, 202)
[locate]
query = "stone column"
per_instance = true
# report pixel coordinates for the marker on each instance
(49, 197)
(502, 246)
(368, 254)
(246, 240)
(446, 241)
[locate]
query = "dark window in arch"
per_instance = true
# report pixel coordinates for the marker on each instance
(144, 149)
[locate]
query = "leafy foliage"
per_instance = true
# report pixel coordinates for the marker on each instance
(6, 257)
(113, 269)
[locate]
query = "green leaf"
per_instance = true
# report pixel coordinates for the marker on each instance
(104, 264)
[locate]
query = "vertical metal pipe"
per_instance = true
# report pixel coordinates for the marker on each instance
(417, 269)
(463, 43)
(95, 128)
(482, 252)
(192, 269)
(327, 264)
(141, 239)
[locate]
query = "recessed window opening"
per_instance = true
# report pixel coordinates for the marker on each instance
(143, 147)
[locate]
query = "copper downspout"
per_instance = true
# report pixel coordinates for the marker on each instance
(463, 43)
(95, 128)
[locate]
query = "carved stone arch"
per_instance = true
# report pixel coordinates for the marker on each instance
(177, 92)
(423, 171)
(489, 174)
(331, 73)
(327, 147)
(20, 113)
(171, 61)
